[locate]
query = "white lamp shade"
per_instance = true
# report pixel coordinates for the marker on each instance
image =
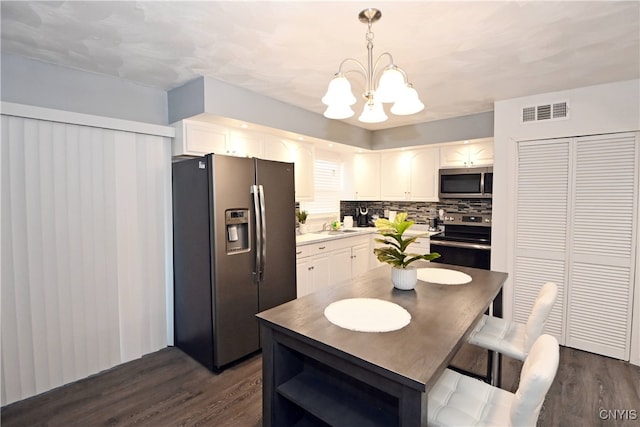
(390, 85)
(338, 112)
(339, 92)
(407, 103)
(373, 112)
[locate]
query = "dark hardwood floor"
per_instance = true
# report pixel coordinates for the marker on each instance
(167, 388)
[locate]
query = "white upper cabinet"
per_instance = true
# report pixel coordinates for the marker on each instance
(282, 150)
(195, 138)
(395, 176)
(424, 174)
(366, 176)
(198, 139)
(245, 144)
(303, 157)
(467, 155)
(410, 175)
(299, 153)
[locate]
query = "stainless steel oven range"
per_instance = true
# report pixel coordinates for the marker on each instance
(466, 241)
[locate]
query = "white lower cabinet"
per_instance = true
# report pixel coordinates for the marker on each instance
(312, 274)
(330, 263)
(340, 266)
(359, 259)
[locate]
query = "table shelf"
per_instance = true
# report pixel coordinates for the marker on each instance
(339, 403)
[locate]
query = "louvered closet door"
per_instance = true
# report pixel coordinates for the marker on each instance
(541, 227)
(602, 244)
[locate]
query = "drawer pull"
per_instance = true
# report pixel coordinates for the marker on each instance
(322, 247)
(298, 253)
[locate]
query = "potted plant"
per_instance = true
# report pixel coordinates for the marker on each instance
(302, 219)
(395, 252)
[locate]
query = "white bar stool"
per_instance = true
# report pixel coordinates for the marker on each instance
(458, 400)
(511, 338)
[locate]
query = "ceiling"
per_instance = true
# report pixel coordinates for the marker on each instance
(460, 56)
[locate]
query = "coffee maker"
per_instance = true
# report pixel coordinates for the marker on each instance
(362, 215)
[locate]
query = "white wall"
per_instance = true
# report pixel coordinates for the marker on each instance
(600, 109)
(85, 248)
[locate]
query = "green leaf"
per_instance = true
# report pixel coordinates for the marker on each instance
(394, 253)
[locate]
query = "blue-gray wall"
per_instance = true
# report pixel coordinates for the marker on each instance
(447, 130)
(31, 82)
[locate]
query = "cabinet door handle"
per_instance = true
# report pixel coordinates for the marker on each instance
(298, 253)
(322, 247)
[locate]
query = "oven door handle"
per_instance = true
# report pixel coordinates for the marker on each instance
(461, 245)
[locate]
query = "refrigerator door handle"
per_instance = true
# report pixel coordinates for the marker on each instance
(255, 191)
(263, 232)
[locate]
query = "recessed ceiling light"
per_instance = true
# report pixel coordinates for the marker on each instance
(244, 126)
(330, 145)
(466, 142)
(300, 138)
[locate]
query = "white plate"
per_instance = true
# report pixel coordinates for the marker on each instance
(367, 315)
(443, 276)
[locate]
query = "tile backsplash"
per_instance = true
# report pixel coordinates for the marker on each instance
(420, 212)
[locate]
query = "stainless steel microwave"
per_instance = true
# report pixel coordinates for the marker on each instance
(466, 183)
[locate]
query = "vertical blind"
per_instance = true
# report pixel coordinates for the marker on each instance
(85, 228)
(327, 187)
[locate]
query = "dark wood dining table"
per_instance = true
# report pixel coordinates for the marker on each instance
(317, 373)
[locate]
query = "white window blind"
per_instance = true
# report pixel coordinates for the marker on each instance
(327, 186)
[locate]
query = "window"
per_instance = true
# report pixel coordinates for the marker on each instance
(326, 177)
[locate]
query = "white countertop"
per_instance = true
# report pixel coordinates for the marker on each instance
(320, 236)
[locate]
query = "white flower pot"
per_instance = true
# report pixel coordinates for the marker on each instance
(302, 228)
(404, 278)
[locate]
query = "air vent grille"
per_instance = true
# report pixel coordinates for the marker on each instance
(544, 112)
(529, 114)
(559, 110)
(552, 111)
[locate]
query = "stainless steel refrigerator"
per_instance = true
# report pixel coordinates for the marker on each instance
(233, 251)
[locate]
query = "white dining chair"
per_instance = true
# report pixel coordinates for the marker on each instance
(459, 400)
(515, 339)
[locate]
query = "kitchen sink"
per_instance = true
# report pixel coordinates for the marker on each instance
(335, 232)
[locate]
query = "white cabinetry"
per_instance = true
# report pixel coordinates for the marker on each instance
(245, 144)
(360, 259)
(563, 186)
(330, 263)
(312, 274)
(197, 139)
(467, 155)
(299, 153)
(303, 157)
(366, 176)
(340, 262)
(410, 175)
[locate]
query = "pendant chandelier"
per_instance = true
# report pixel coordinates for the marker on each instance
(393, 86)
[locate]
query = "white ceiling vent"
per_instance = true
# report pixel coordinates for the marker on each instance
(545, 112)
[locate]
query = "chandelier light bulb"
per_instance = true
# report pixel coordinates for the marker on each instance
(408, 102)
(339, 92)
(390, 85)
(338, 112)
(373, 112)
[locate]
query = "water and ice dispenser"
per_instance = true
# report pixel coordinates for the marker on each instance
(237, 227)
